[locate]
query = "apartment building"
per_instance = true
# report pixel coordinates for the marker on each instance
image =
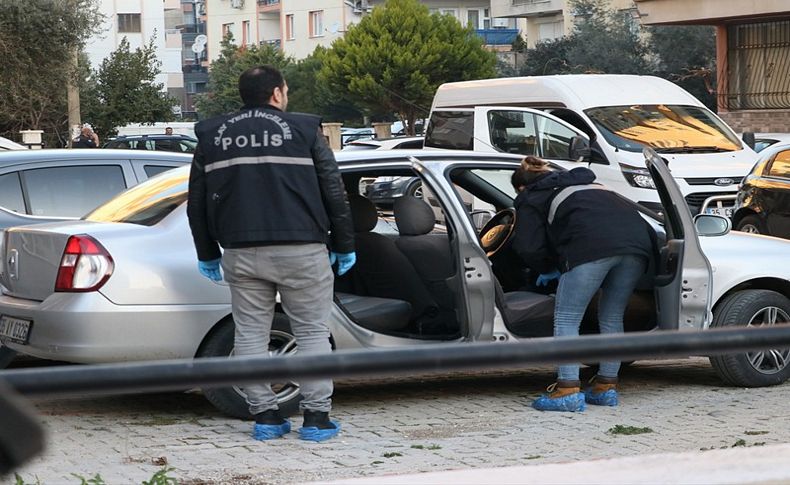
(140, 21)
(545, 19)
(752, 55)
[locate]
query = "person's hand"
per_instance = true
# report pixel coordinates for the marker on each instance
(546, 278)
(344, 261)
(210, 269)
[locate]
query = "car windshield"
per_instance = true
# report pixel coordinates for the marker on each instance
(666, 128)
(146, 203)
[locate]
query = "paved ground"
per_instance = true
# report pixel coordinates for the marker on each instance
(424, 424)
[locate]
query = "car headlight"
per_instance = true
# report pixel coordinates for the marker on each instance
(637, 177)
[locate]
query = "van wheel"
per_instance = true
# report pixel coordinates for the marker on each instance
(232, 400)
(753, 308)
(752, 224)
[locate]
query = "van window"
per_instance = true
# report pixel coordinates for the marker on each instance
(513, 131)
(451, 129)
(666, 128)
(555, 139)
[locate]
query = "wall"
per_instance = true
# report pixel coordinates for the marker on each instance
(758, 121)
(221, 12)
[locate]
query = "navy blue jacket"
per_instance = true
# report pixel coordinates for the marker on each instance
(261, 176)
(589, 225)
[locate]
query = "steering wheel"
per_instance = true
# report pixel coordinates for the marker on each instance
(497, 233)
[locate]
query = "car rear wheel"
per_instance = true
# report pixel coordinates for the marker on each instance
(752, 224)
(753, 308)
(232, 400)
(415, 190)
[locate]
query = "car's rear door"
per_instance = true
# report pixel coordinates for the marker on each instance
(684, 281)
(475, 279)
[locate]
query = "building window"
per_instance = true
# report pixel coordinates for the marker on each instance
(486, 19)
(317, 23)
(246, 33)
(129, 23)
(227, 29)
(759, 58)
(473, 19)
(550, 31)
(289, 27)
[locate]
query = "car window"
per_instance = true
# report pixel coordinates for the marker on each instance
(499, 178)
(152, 170)
(71, 191)
(146, 203)
(513, 131)
(780, 167)
(410, 144)
(11, 193)
(451, 129)
(555, 139)
(187, 146)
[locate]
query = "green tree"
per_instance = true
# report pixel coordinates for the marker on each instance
(37, 41)
(124, 90)
(222, 94)
(686, 54)
(308, 96)
(394, 59)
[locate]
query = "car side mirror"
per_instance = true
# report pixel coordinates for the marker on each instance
(748, 138)
(711, 225)
(579, 149)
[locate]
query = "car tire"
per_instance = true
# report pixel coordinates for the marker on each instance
(231, 400)
(415, 190)
(752, 308)
(752, 224)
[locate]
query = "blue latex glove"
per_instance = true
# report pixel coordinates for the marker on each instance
(210, 269)
(344, 261)
(546, 278)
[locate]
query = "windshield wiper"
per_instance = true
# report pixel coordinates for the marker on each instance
(691, 150)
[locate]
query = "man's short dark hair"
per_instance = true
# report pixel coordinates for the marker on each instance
(256, 84)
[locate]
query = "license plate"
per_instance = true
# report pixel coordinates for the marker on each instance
(15, 329)
(719, 211)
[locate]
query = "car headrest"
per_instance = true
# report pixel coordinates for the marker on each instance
(363, 212)
(413, 216)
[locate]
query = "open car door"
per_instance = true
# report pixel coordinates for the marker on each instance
(684, 279)
(475, 278)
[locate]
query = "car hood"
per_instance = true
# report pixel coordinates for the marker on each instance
(737, 257)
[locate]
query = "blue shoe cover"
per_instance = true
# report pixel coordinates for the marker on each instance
(263, 432)
(313, 433)
(606, 398)
(571, 402)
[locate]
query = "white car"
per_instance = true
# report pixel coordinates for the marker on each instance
(123, 285)
(395, 143)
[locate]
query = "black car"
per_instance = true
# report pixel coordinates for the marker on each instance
(763, 203)
(167, 143)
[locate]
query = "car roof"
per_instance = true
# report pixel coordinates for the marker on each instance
(385, 156)
(86, 155)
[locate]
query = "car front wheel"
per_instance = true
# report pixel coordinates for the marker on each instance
(753, 308)
(752, 224)
(232, 400)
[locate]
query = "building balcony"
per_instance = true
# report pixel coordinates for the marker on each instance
(276, 43)
(525, 8)
(268, 5)
(497, 36)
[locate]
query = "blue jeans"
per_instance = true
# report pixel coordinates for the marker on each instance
(617, 277)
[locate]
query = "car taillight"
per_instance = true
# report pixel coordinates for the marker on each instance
(85, 265)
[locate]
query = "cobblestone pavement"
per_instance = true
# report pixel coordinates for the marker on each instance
(407, 426)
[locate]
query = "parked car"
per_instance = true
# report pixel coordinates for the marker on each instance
(122, 284)
(70, 183)
(765, 140)
(347, 135)
(394, 143)
(763, 201)
(167, 143)
(6, 144)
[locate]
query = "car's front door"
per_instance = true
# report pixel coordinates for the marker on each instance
(776, 194)
(684, 281)
(525, 131)
(475, 280)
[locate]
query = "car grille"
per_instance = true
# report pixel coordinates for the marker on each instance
(710, 180)
(696, 199)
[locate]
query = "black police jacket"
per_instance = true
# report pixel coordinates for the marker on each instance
(588, 225)
(261, 176)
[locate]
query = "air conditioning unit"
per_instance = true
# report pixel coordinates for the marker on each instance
(500, 22)
(237, 3)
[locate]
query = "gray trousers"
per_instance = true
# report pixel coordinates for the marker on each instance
(302, 275)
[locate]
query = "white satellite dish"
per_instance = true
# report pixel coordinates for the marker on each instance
(201, 39)
(198, 48)
(334, 28)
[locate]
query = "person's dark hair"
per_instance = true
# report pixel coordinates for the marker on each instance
(257, 84)
(531, 168)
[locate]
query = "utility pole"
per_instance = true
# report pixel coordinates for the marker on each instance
(74, 99)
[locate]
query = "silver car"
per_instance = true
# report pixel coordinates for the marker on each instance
(122, 284)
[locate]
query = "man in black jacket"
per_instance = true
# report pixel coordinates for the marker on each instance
(265, 186)
(569, 228)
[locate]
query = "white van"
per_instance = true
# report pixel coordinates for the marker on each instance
(616, 114)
